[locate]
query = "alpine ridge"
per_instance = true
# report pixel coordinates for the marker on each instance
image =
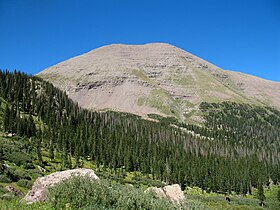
(155, 78)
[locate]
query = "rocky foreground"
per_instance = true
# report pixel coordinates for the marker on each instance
(39, 189)
(40, 186)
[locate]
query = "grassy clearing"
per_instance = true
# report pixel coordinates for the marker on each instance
(217, 201)
(16, 204)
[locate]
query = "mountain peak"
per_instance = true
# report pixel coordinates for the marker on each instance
(144, 49)
(154, 78)
(153, 44)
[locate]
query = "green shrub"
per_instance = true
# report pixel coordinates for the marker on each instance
(17, 174)
(8, 196)
(2, 190)
(19, 158)
(21, 174)
(82, 192)
(28, 166)
(25, 183)
(4, 179)
(35, 173)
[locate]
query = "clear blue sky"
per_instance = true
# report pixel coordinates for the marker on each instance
(241, 35)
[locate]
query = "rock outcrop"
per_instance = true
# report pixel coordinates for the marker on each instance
(170, 192)
(13, 190)
(40, 186)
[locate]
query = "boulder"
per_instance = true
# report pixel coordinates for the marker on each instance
(158, 192)
(13, 190)
(40, 186)
(172, 193)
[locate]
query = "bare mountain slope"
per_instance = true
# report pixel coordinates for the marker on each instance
(154, 78)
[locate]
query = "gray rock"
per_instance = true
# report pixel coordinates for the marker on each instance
(40, 186)
(158, 192)
(172, 193)
(13, 190)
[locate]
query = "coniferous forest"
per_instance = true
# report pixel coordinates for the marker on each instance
(236, 149)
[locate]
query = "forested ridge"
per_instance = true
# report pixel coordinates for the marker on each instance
(241, 150)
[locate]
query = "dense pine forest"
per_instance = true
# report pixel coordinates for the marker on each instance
(236, 149)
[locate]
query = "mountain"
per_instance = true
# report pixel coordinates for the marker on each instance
(154, 78)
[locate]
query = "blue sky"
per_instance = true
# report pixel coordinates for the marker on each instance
(240, 35)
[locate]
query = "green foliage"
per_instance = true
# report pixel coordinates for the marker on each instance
(17, 157)
(164, 120)
(21, 174)
(28, 166)
(79, 193)
(4, 179)
(261, 195)
(16, 174)
(8, 196)
(25, 183)
(16, 204)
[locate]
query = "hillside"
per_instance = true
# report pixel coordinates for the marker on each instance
(234, 152)
(155, 78)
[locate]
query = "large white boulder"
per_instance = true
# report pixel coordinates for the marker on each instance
(174, 193)
(170, 192)
(40, 186)
(158, 192)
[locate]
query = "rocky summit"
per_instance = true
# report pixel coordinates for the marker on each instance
(155, 78)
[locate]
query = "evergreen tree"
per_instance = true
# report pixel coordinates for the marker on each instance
(261, 195)
(2, 165)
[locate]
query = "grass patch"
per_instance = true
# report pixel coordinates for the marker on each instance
(141, 101)
(16, 204)
(141, 75)
(218, 202)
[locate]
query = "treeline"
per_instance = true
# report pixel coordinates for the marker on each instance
(125, 142)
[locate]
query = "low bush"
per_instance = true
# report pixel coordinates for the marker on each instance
(82, 192)
(34, 173)
(5, 179)
(8, 196)
(19, 158)
(2, 190)
(28, 166)
(25, 183)
(21, 174)
(16, 174)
